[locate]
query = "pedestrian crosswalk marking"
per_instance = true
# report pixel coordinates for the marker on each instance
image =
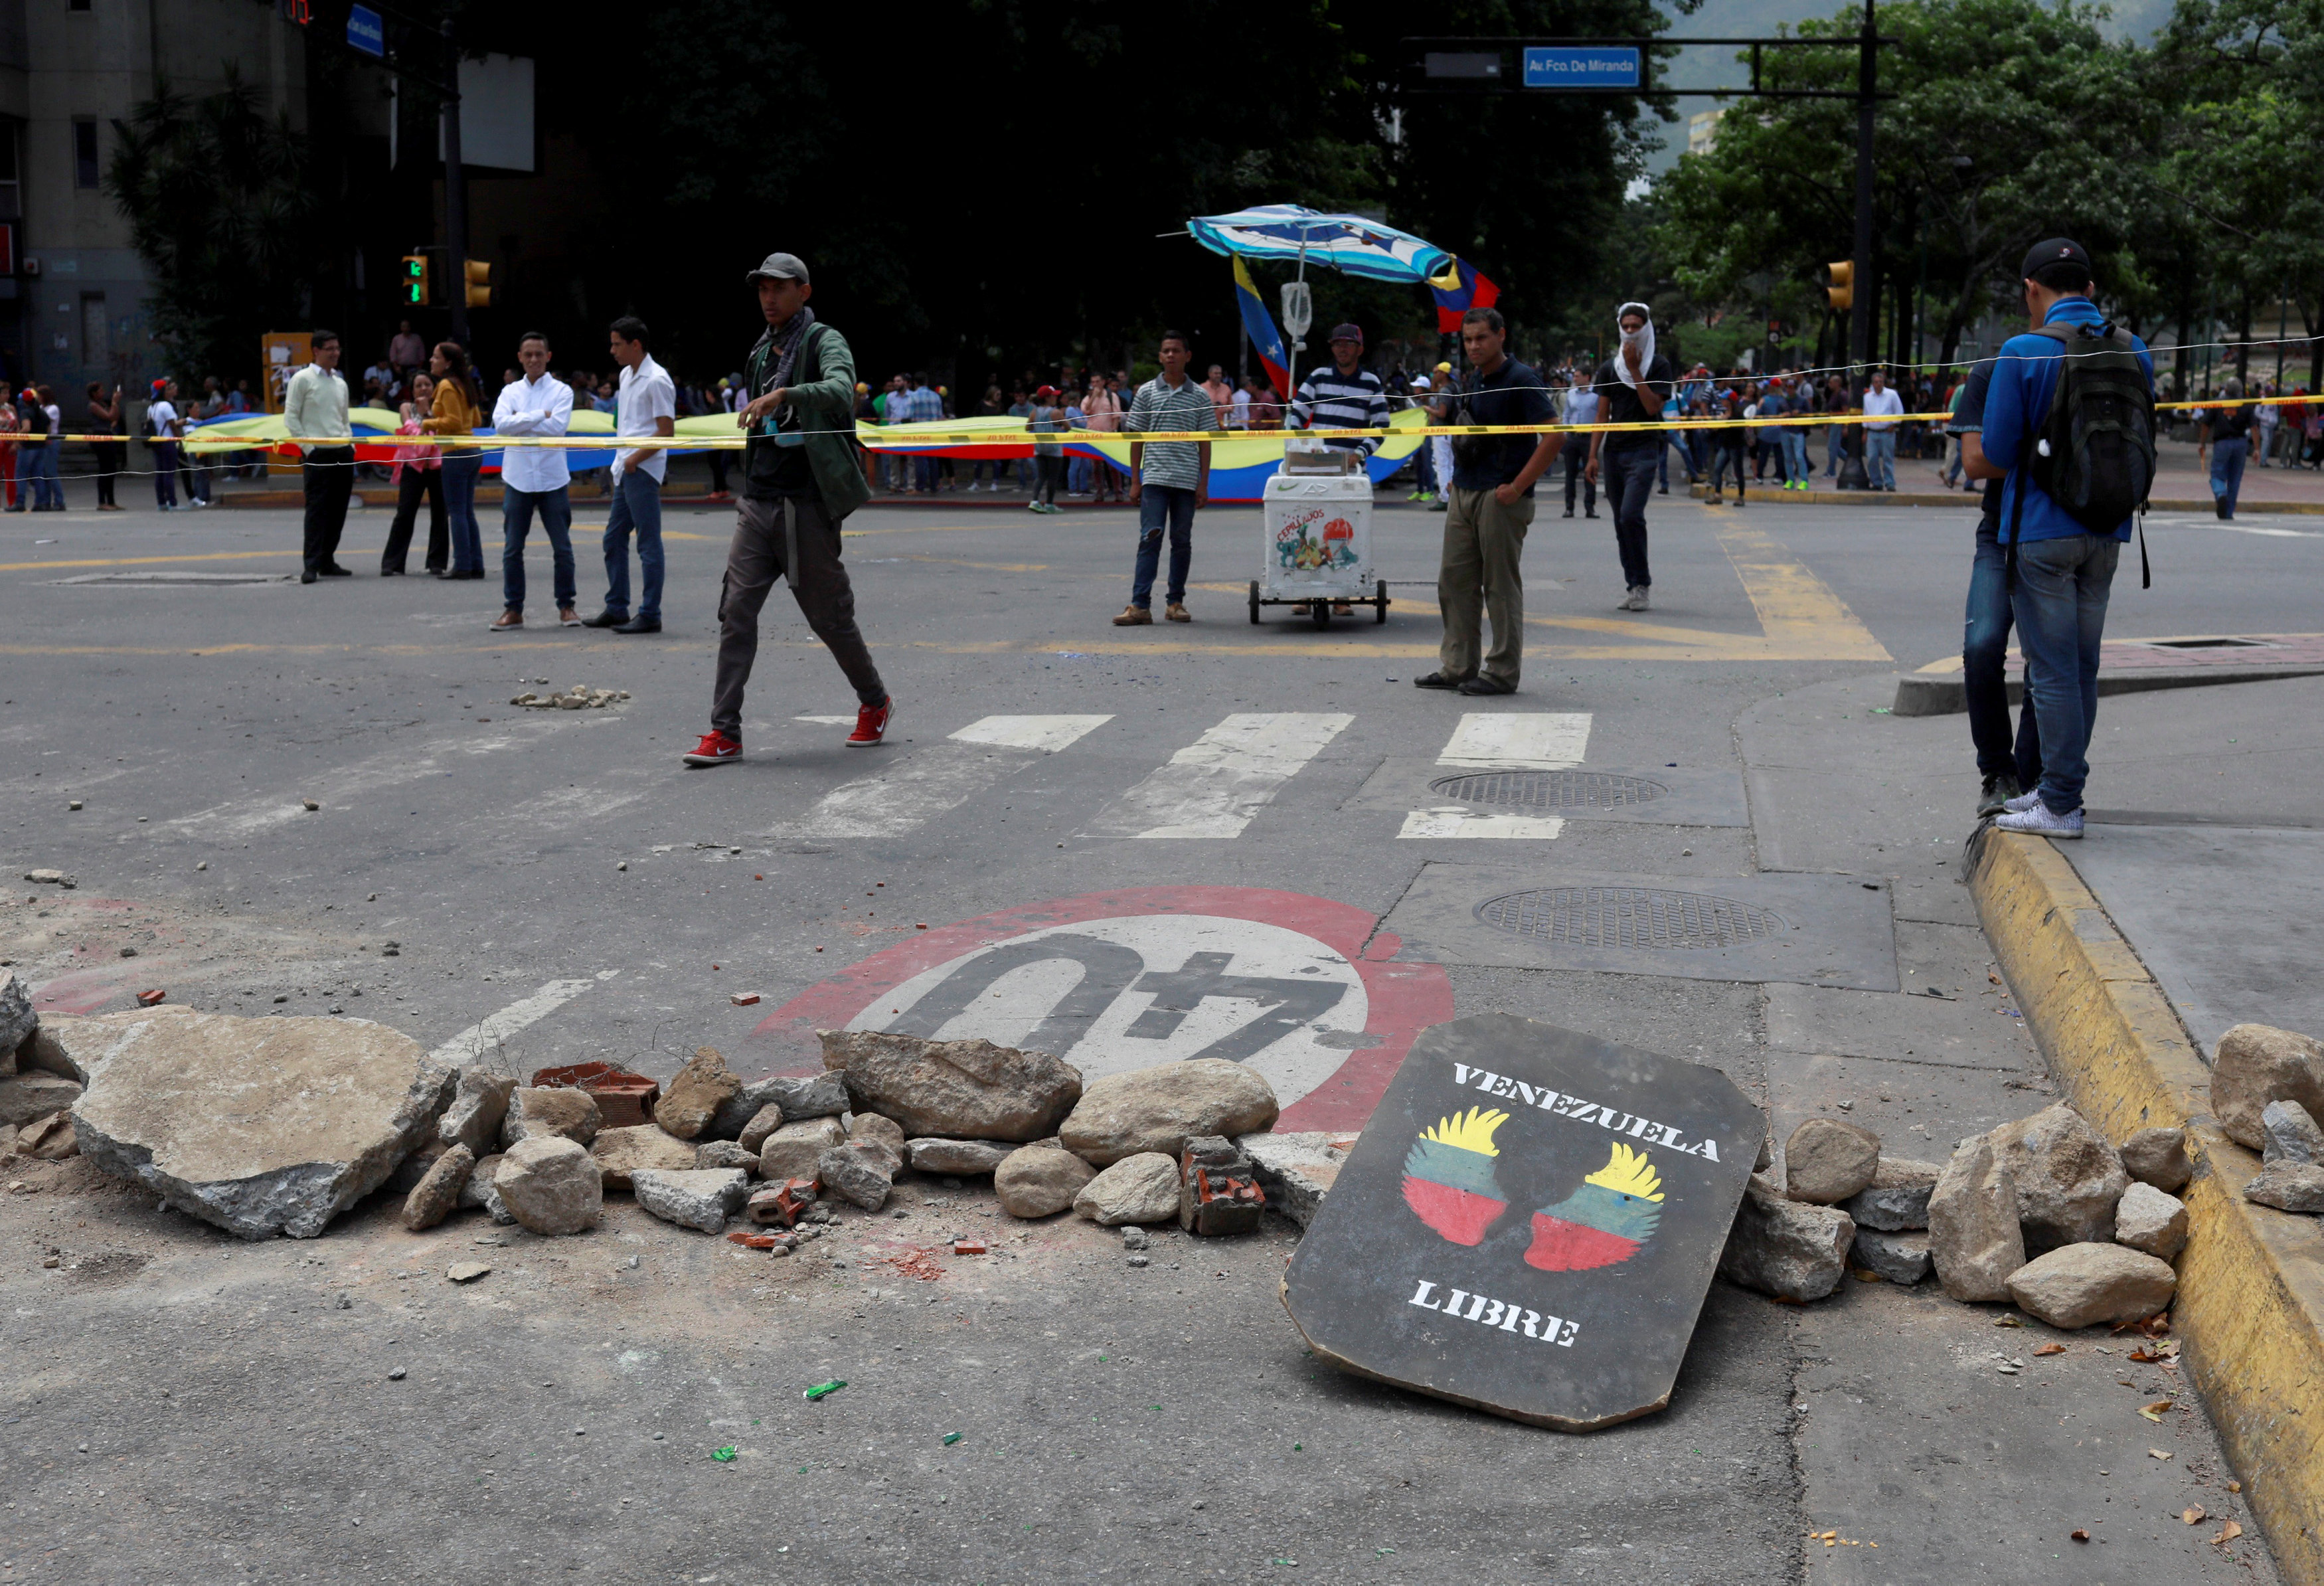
(1049, 734)
(1504, 741)
(1217, 785)
(1519, 741)
(933, 781)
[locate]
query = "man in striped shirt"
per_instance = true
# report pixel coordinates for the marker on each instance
(1167, 481)
(1346, 396)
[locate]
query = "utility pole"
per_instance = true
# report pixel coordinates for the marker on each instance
(455, 196)
(1859, 323)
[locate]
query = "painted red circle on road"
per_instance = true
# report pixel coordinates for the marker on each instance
(1399, 1000)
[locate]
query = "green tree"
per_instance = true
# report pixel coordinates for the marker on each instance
(2011, 120)
(217, 196)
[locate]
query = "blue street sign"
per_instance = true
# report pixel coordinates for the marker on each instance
(1581, 67)
(367, 33)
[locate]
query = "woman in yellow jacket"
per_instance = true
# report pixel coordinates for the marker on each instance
(457, 410)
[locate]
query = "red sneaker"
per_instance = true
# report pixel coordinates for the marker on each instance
(871, 723)
(715, 748)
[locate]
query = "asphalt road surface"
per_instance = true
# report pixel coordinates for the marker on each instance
(183, 1407)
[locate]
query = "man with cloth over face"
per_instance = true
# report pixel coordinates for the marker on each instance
(1636, 382)
(1491, 506)
(801, 477)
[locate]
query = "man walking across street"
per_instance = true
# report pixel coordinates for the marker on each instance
(2006, 771)
(802, 476)
(1168, 480)
(1490, 507)
(648, 407)
(315, 403)
(535, 478)
(1581, 405)
(1879, 438)
(2064, 568)
(1635, 382)
(2227, 432)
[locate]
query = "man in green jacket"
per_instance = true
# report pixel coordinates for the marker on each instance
(801, 477)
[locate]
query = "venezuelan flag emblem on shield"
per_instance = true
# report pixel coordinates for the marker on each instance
(1447, 1175)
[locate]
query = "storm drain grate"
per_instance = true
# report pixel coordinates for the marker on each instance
(1627, 916)
(1549, 789)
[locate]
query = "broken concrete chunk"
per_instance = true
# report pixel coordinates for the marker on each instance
(2258, 1063)
(872, 1126)
(479, 1104)
(49, 1139)
(2087, 1284)
(2148, 1220)
(1035, 1181)
(620, 1152)
(561, 1109)
(762, 1123)
(414, 1167)
(36, 1095)
(1897, 1198)
(793, 1150)
(1900, 1258)
(724, 1154)
(465, 1271)
(1295, 1170)
(2068, 1178)
(1143, 1188)
(480, 1191)
(48, 876)
(17, 1019)
(728, 1122)
(2158, 1156)
(703, 1198)
(692, 1100)
(1160, 1109)
(821, 1095)
(551, 1185)
(1795, 1250)
(261, 1126)
(1974, 1239)
(859, 1172)
(437, 1194)
(2289, 1186)
(42, 1050)
(2294, 1138)
(970, 1089)
(1218, 1193)
(961, 1159)
(1826, 1160)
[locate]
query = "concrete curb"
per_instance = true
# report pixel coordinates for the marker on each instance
(1942, 694)
(1963, 498)
(2250, 1309)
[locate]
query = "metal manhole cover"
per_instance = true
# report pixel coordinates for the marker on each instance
(1627, 916)
(1549, 789)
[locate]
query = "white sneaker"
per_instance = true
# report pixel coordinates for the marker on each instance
(2021, 803)
(1635, 601)
(2041, 821)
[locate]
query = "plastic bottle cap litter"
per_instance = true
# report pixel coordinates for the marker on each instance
(724, 1456)
(820, 1388)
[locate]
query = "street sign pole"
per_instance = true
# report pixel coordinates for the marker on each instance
(1860, 321)
(456, 196)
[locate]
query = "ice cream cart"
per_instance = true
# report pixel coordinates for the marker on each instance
(1316, 535)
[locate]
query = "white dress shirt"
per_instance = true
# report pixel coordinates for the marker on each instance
(1890, 400)
(315, 402)
(534, 407)
(647, 395)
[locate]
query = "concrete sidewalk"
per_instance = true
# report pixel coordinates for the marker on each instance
(2189, 908)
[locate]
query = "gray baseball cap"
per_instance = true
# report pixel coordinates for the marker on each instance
(778, 267)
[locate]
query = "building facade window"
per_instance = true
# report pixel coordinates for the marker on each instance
(84, 161)
(96, 331)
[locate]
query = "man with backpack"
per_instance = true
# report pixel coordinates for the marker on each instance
(802, 475)
(2070, 428)
(2008, 770)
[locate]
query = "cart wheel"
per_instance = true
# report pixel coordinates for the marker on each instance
(1254, 600)
(1379, 600)
(1322, 610)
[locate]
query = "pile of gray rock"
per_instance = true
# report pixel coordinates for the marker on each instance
(2267, 1089)
(37, 1090)
(580, 697)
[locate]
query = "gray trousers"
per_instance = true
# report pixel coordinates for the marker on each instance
(1484, 543)
(772, 539)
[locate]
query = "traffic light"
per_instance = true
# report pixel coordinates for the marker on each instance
(415, 280)
(1841, 290)
(480, 284)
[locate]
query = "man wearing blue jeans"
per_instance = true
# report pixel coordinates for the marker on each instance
(1880, 439)
(2008, 770)
(534, 479)
(1167, 481)
(2064, 572)
(648, 407)
(2227, 432)
(1635, 382)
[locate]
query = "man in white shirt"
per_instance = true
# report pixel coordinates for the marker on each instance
(648, 405)
(314, 403)
(534, 478)
(1880, 439)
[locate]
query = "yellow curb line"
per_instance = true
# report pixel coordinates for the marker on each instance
(2251, 1280)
